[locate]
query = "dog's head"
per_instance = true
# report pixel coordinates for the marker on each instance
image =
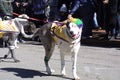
(73, 30)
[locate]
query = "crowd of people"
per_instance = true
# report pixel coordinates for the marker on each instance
(106, 13)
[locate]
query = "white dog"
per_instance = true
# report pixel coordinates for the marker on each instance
(9, 31)
(67, 36)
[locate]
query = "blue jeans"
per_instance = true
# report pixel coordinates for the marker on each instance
(95, 20)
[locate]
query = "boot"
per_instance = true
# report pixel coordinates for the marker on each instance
(113, 37)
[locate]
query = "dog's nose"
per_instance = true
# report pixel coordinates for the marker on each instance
(71, 32)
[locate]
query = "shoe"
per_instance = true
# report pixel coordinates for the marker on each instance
(118, 35)
(86, 37)
(112, 38)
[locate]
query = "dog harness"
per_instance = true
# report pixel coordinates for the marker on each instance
(58, 32)
(7, 26)
(58, 29)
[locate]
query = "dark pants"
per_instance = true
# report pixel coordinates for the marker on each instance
(88, 24)
(86, 13)
(118, 23)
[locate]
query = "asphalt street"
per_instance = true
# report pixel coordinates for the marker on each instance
(94, 63)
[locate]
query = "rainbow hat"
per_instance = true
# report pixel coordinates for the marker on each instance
(77, 21)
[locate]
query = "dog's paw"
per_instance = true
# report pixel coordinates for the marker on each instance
(16, 47)
(5, 56)
(63, 74)
(76, 78)
(16, 61)
(50, 71)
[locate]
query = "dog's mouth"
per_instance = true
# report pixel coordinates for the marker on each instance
(75, 36)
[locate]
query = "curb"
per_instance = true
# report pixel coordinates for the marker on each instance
(101, 43)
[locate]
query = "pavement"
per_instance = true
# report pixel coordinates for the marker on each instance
(97, 60)
(94, 63)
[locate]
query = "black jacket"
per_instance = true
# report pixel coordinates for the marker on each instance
(85, 7)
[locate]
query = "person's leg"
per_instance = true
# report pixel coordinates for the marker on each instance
(53, 13)
(118, 17)
(95, 21)
(88, 26)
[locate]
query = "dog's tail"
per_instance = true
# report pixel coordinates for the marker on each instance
(21, 28)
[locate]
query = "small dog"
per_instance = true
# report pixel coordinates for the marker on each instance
(67, 36)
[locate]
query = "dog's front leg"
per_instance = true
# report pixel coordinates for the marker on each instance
(74, 61)
(63, 72)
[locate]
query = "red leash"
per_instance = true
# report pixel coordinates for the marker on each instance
(33, 19)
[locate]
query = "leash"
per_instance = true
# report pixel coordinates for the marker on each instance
(33, 19)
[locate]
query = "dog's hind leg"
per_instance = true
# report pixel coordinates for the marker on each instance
(11, 43)
(11, 51)
(48, 53)
(13, 55)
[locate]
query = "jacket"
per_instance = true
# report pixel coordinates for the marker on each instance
(39, 6)
(5, 8)
(118, 7)
(80, 3)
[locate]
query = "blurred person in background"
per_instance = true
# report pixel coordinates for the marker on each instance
(53, 14)
(38, 12)
(6, 8)
(63, 8)
(84, 9)
(118, 16)
(113, 4)
(22, 6)
(102, 14)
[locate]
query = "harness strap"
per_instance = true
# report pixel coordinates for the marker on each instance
(60, 37)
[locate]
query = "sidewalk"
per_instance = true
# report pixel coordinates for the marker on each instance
(97, 40)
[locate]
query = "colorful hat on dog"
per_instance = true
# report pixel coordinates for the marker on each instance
(77, 21)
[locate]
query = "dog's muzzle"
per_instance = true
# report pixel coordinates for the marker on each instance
(72, 35)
